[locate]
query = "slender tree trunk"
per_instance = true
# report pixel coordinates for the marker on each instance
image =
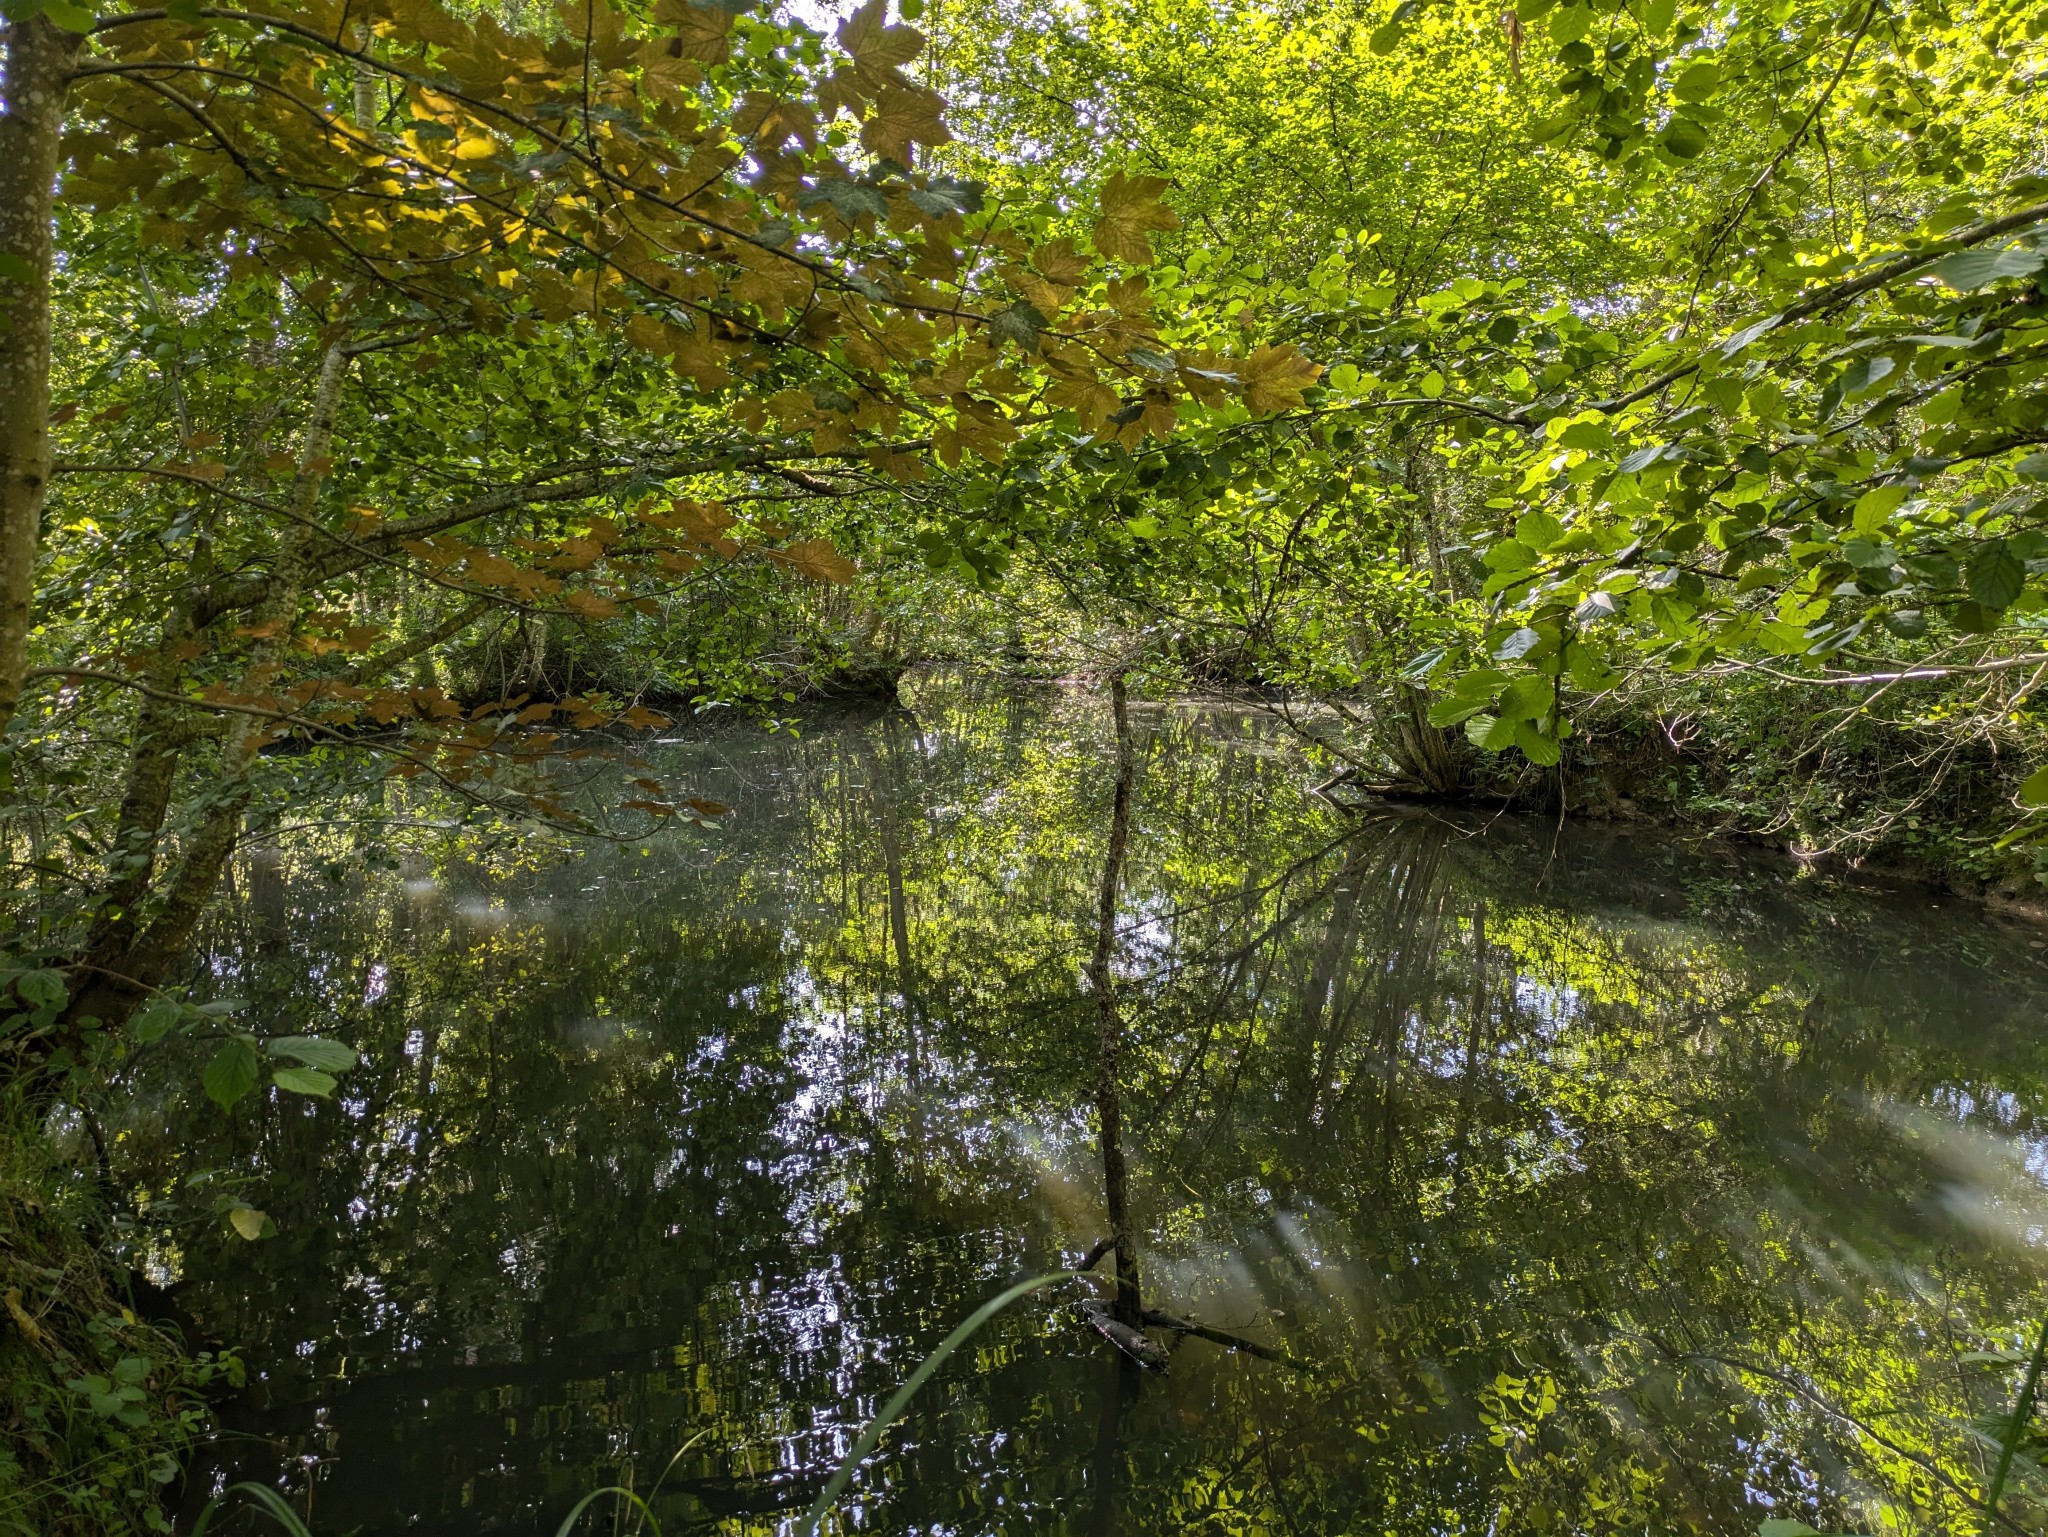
(37, 60)
(118, 984)
(1129, 1306)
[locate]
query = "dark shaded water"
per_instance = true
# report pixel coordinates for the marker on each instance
(1609, 1184)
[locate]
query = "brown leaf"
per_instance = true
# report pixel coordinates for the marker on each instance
(878, 49)
(700, 29)
(1131, 210)
(904, 117)
(817, 560)
(1058, 262)
(1274, 378)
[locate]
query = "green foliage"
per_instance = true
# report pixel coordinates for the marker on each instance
(98, 1408)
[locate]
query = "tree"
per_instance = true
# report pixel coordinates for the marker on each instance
(702, 236)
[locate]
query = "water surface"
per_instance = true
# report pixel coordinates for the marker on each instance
(1609, 1183)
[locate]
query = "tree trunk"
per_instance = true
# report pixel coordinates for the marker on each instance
(38, 76)
(1129, 1305)
(118, 983)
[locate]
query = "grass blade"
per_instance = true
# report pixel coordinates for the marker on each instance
(893, 1409)
(266, 1497)
(2021, 1412)
(646, 1515)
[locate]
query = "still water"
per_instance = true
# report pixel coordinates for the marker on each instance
(1604, 1182)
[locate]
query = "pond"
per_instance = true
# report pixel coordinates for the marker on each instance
(1594, 1180)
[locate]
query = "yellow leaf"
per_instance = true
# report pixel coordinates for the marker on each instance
(476, 149)
(1130, 211)
(1058, 262)
(248, 1222)
(1047, 298)
(1274, 378)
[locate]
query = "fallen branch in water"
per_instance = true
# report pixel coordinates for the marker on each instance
(1098, 1315)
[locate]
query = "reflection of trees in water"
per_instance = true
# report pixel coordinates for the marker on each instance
(1525, 1141)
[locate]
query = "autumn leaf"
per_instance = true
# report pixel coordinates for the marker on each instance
(1058, 262)
(589, 605)
(817, 560)
(879, 49)
(904, 117)
(701, 30)
(640, 718)
(1130, 211)
(1274, 378)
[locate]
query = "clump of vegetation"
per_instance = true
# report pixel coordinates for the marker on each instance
(99, 1408)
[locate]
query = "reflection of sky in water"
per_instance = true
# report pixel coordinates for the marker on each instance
(671, 1137)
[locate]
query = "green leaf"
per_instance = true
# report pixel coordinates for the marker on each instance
(69, 15)
(1527, 698)
(1973, 269)
(1685, 137)
(1748, 334)
(1571, 24)
(1386, 39)
(1490, 733)
(250, 1222)
(1910, 623)
(943, 195)
(1020, 323)
(1974, 618)
(1422, 666)
(1996, 575)
(2034, 792)
(1518, 645)
(314, 1051)
(1539, 530)
(1697, 81)
(154, 1022)
(304, 1080)
(849, 199)
(231, 1074)
(44, 989)
(1596, 607)
(1510, 555)
(1539, 749)
(1874, 508)
(1864, 372)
